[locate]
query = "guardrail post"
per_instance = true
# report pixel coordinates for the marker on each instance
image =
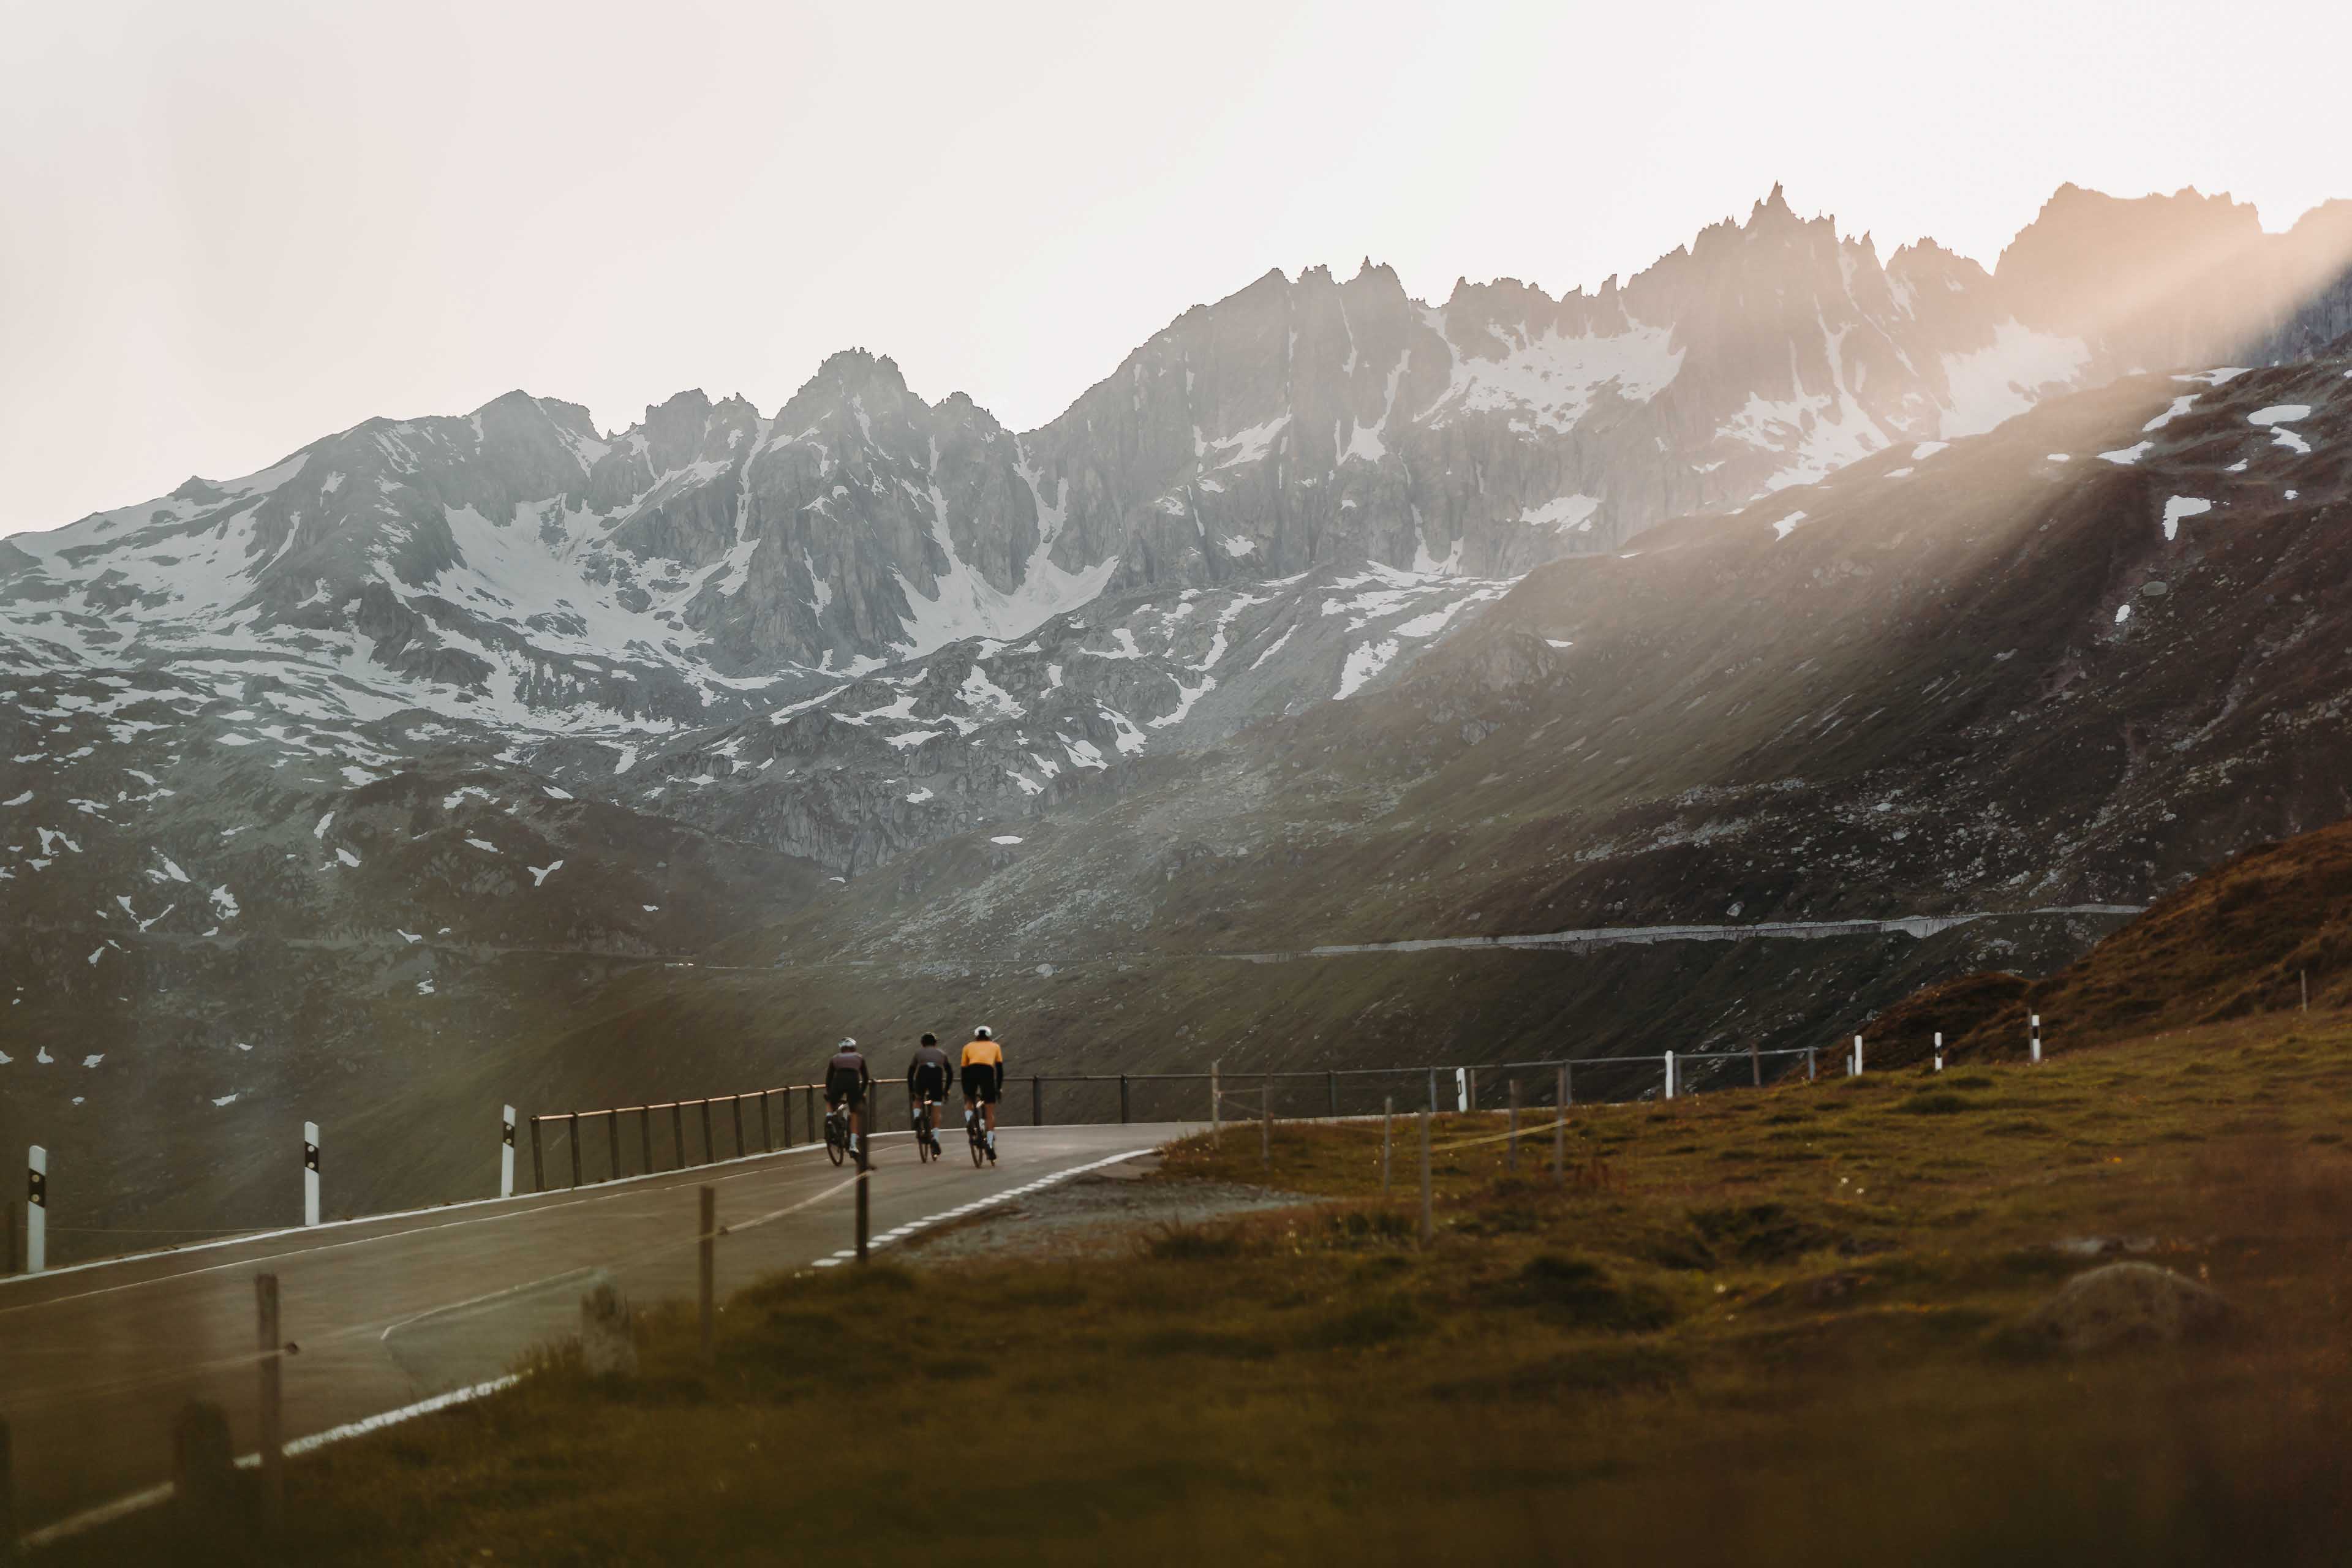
(1036, 1101)
(709, 1152)
(1433, 1089)
(707, 1242)
(270, 1343)
(506, 1152)
(1940, 1050)
(1216, 1103)
(1266, 1122)
(1122, 1099)
(572, 1136)
(1755, 1065)
(612, 1140)
(1388, 1117)
(538, 1160)
(646, 1138)
(310, 1172)
(678, 1130)
(1813, 1065)
(1511, 1143)
(1560, 1135)
(808, 1103)
(1567, 1086)
(737, 1111)
(1471, 1078)
(1428, 1220)
(1333, 1081)
(767, 1128)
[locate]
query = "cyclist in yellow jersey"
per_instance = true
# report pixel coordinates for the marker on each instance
(983, 1080)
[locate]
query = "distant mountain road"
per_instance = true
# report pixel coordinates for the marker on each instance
(1613, 936)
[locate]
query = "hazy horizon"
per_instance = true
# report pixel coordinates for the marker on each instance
(309, 220)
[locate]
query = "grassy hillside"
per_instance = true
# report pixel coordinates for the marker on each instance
(1806, 1308)
(2241, 941)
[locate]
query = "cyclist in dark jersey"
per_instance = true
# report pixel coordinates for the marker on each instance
(928, 1073)
(846, 1080)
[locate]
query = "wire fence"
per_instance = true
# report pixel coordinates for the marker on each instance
(583, 1148)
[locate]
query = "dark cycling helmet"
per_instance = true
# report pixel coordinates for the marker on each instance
(930, 1039)
(982, 1033)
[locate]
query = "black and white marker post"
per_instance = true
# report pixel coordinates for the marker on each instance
(37, 1210)
(2037, 1036)
(506, 1156)
(310, 1172)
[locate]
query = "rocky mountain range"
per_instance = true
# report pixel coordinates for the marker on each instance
(1776, 583)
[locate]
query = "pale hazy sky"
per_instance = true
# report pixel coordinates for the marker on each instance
(229, 228)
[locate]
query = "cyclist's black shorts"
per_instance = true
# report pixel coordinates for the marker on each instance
(930, 1085)
(853, 1090)
(981, 1083)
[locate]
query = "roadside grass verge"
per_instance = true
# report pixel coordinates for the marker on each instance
(1762, 1327)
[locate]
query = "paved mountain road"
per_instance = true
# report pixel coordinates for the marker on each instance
(95, 1361)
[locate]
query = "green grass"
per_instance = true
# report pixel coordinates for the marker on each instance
(1666, 1356)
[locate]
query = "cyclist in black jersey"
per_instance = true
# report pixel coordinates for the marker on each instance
(928, 1073)
(846, 1080)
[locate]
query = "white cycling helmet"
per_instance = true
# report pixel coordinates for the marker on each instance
(982, 1033)
(846, 1046)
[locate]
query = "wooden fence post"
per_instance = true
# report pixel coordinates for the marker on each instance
(1511, 1143)
(538, 1160)
(572, 1136)
(1266, 1122)
(709, 1150)
(707, 1242)
(1216, 1103)
(767, 1128)
(677, 1129)
(1560, 1135)
(736, 1110)
(645, 1137)
(1332, 1079)
(9, 1535)
(1388, 1120)
(613, 1143)
(270, 1343)
(1428, 1220)
(1755, 1066)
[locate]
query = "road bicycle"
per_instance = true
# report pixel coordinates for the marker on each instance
(927, 1137)
(975, 1129)
(836, 1132)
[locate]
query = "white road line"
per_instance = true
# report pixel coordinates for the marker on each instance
(106, 1513)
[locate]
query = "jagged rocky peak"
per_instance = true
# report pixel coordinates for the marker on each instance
(2186, 279)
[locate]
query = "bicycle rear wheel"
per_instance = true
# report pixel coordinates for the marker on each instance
(836, 1145)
